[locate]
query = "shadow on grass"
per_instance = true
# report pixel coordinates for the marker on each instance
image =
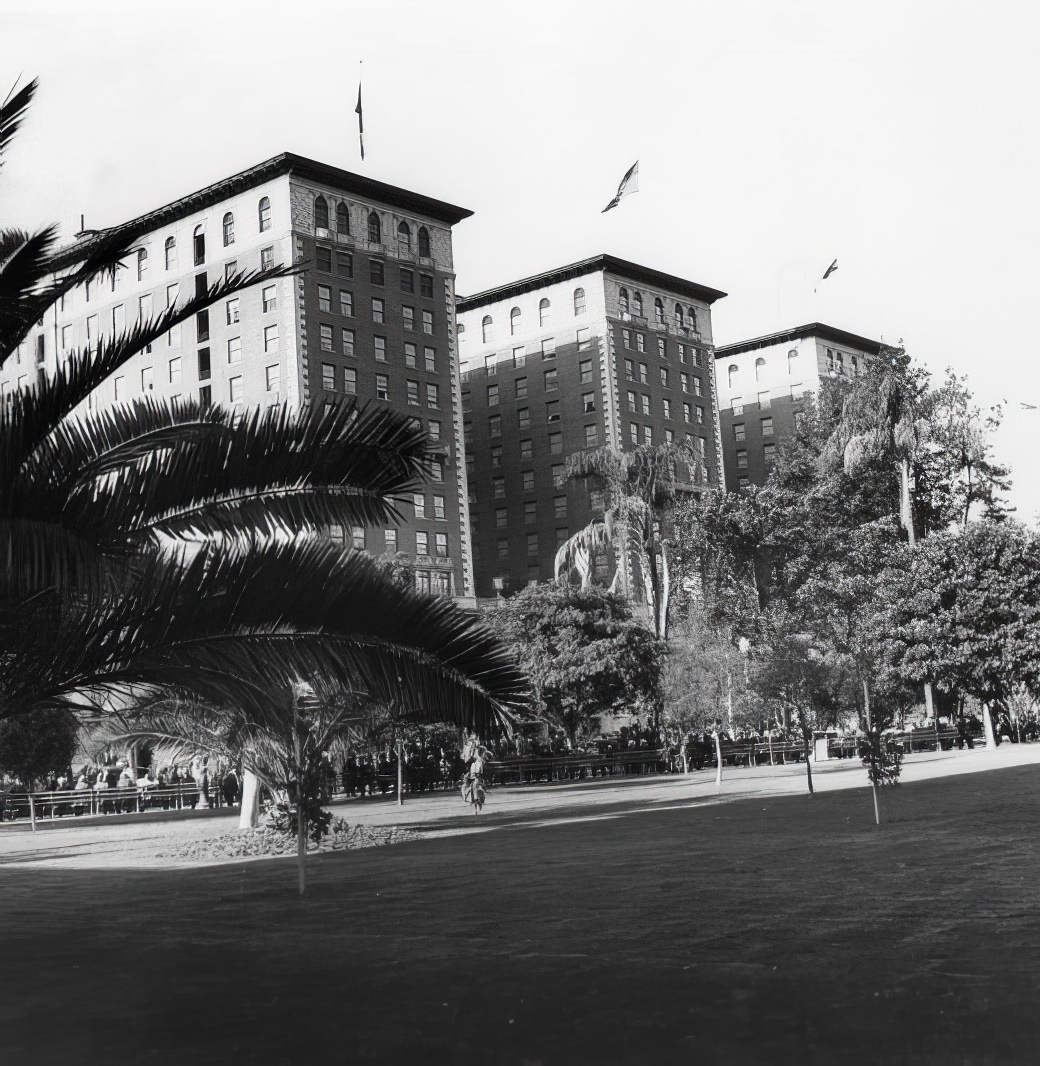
(764, 930)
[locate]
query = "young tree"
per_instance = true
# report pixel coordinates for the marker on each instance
(32, 745)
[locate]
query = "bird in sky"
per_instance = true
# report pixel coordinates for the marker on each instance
(1027, 406)
(830, 270)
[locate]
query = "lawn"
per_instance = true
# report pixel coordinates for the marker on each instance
(759, 931)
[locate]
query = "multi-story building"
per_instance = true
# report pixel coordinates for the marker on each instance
(761, 383)
(597, 353)
(373, 316)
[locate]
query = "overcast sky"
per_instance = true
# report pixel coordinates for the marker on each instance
(772, 137)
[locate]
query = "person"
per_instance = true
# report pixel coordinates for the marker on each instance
(475, 754)
(229, 786)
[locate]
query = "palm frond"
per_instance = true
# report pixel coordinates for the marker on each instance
(12, 112)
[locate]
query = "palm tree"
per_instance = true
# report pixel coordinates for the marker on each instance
(167, 550)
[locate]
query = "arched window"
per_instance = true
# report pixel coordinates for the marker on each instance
(680, 319)
(321, 213)
(229, 229)
(264, 213)
(199, 244)
(424, 242)
(514, 321)
(375, 230)
(485, 327)
(792, 361)
(404, 237)
(342, 218)
(759, 364)
(579, 301)
(623, 301)
(637, 304)
(171, 253)
(142, 265)
(691, 318)
(544, 312)
(658, 310)
(732, 374)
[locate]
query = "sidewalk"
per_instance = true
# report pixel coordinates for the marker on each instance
(134, 842)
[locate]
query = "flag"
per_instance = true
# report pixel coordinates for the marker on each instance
(826, 274)
(629, 183)
(360, 120)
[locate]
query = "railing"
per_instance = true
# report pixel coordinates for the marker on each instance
(85, 802)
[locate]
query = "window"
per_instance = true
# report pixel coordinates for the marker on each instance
(486, 328)
(633, 432)
(264, 214)
(379, 349)
(731, 374)
(680, 321)
(201, 284)
(549, 348)
(664, 377)
(347, 341)
(325, 332)
(527, 480)
(204, 367)
(559, 476)
(662, 350)
(228, 228)
(235, 389)
(490, 365)
(267, 258)
(640, 343)
(436, 468)
(119, 386)
(234, 350)
(408, 317)
(526, 448)
(626, 338)
(422, 544)
(407, 280)
(350, 381)
(199, 245)
(646, 405)
(551, 384)
(759, 367)
(170, 253)
(700, 414)
(588, 402)
(424, 242)
(147, 378)
(630, 369)
(441, 542)
(632, 401)
(544, 312)
(584, 338)
(667, 408)
(769, 452)
(532, 544)
(691, 317)
(763, 399)
(579, 301)
(492, 395)
(698, 358)
(66, 338)
(206, 395)
(530, 513)
(412, 391)
(698, 387)
(426, 285)
(342, 218)
(767, 427)
(378, 309)
(495, 426)
(382, 387)
(410, 352)
(854, 365)
(171, 298)
(118, 322)
(658, 311)
(521, 388)
(739, 431)
(271, 378)
(344, 265)
(375, 271)
(438, 507)
(644, 374)
(648, 435)
(738, 405)
(419, 503)
(623, 302)
(502, 545)
(519, 357)
(585, 372)
(591, 435)
(495, 455)
(637, 304)
(501, 517)
(389, 535)
(202, 326)
(514, 321)
(375, 229)
(552, 411)
(556, 444)
(523, 417)
(498, 488)
(687, 412)
(741, 459)
(404, 237)
(432, 396)
(328, 377)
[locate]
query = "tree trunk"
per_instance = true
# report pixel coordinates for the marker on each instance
(987, 721)
(664, 594)
(873, 784)
(806, 746)
(301, 843)
(249, 814)
(718, 760)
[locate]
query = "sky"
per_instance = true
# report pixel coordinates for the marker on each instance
(772, 137)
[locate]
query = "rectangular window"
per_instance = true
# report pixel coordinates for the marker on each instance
(382, 387)
(552, 411)
(271, 378)
(527, 480)
(626, 338)
(231, 311)
(648, 434)
(687, 412)
(501, 517)
(530, 513)
(204, 368)
(347, 341)
(661, 350)
(588, 402)
(767, 427)
(118, 321)
(492, 395)
(646, 405)
(271, 338)
(763, 399)
(378, 309)
(379, 348)
(559, 507)
(266, 258)
(201, 326)
(684, 382)
(66, 339)
(700, 415)
(390, 540)
(432, 396)
(436, 468)
(344, 265)
(502, 546)
(426, 285)
(498, 488)
(408, 317)
(409, 355)
(325, 299)
(644, 374)
(496, 455)
(558, 474)
(407, 280)
(490, 365)
(147, 379)
(549, 348)
(325, 332)
(430, 360)
(633, 432)
(640, 343)
(526, 448)
(375, 271)
(551, 380)
(591, 435)
(171, 299)
(630, 369)
(698, 388)
(556, 444)
(412, 391)
(119, 386)
(231, 269)
(585, 372)
(270, 298)
(234, 350)
(738, 405)
(419, 503)
(328, 377)
(532, 544)
(206, 395)
(422, 542)
(584, 338)
(495, 426)
(441, 542)
(427, 322)
(632, 402)
(739, 431)
(523, 417)
(667, 408)
(664, 377)
(519, 356)
(323, 259)
(741, 459)
(235, 389)
(438, 508)
(346, 303)
(769, 452)
(350, 381)
(201, 284)
(175, 371)
(521, 388)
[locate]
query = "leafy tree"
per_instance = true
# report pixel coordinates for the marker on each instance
(582, 650)
(33, 745)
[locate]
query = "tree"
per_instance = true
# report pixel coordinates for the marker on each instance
(33, 745)
(582, 650)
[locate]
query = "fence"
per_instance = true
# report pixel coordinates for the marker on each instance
(71, 804)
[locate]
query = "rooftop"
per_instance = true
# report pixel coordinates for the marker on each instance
(810, 329)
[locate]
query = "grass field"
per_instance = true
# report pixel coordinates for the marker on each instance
(775, 930)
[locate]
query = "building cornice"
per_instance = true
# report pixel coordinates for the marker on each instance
(811, 329)
(599, 263)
